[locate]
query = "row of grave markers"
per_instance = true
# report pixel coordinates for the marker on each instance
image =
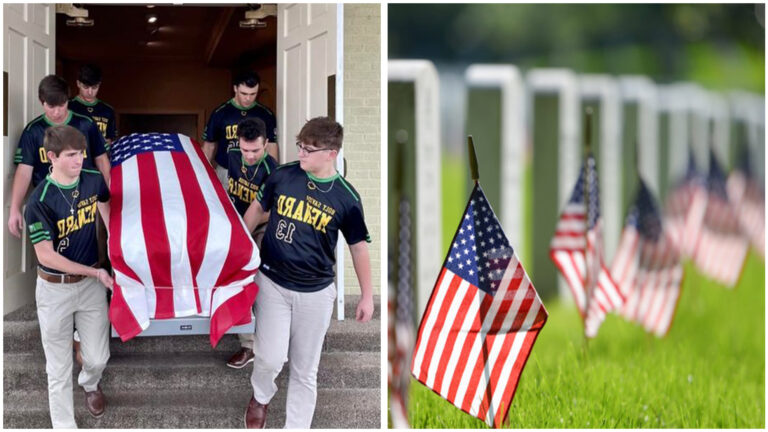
(527, 129)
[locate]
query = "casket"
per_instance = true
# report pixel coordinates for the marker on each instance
(176, 243)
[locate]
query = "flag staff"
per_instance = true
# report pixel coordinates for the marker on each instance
(472, 159)
(587, 150)
(711, 142)
(400, 262)
(637, 161)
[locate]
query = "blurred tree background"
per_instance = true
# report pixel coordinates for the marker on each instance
(720, 46)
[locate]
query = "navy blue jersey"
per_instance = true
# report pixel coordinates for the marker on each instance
(66, 216)
(244, 180)
(306, 215)
(31, 152)
(100, 112)
(222, 126)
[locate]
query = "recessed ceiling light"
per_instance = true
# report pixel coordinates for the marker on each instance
(152, 18)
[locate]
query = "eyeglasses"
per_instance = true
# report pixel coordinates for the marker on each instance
(304, 149)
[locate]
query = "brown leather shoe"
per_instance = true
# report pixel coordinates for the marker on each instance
(256, 415)
(240, 358)
(78, 356)
(95, 402)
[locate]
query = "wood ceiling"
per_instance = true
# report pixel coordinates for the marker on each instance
(204, 33)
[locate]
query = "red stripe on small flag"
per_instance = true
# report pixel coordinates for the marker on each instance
(517, 369)
(451, 342)
(477, 323)
(441, 318)
(504, 353)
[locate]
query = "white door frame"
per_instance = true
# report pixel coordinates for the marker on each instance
(29, 42)
(298, 26)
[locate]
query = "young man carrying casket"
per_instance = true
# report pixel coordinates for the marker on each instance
(305, 203)
(61, 218)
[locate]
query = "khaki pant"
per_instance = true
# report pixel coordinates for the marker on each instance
(290, 325)
(59, 307)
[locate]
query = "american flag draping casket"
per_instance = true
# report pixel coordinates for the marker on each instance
(176, 243)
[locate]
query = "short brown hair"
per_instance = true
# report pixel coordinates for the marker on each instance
(322, 132)
(251, 128)
(63, 137)
(53, 90)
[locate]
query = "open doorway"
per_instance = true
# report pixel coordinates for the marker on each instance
(168, 66)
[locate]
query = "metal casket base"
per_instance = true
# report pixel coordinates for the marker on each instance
(187, 326)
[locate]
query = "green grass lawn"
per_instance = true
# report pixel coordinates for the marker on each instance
(709, 372)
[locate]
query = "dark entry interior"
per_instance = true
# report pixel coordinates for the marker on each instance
(170, 74)
(170, 123)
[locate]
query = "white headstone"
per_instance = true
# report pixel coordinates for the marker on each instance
(423, 75)
(508, 81)
(642, 91)
(564, 84)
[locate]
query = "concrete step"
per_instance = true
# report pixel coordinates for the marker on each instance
(347, 335)
(21, 333)
(171, 408)
(182, 382)
(193, 371)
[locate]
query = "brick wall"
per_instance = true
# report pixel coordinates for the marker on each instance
(362, 125)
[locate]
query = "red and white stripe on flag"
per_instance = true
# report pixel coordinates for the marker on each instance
(472, 347)
(568, 251)
(177, 245)
(481, 320)
(649, 275)
(748, 200)
(722, 248)
(684, 215)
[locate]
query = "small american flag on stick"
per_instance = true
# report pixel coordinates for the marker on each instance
(684, 208)
(721, 249)
(647, 266)
(400, 306)
(576, 250)
(482, 318)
